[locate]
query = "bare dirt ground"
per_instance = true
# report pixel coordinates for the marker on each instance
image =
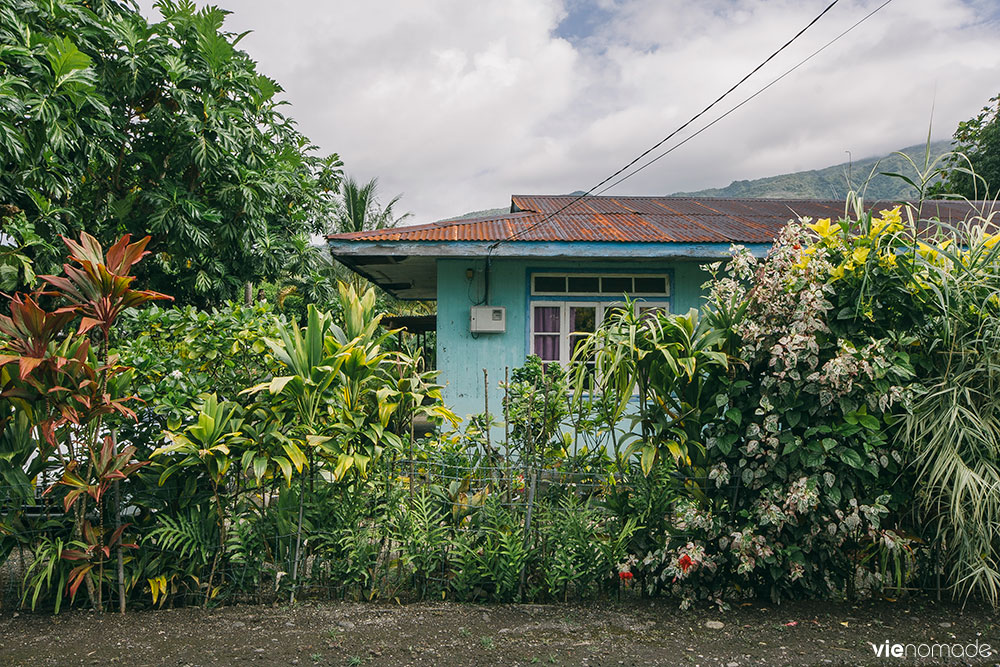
(600, 633)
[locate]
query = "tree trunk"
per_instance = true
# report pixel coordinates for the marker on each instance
(298, 539)
(222, 543)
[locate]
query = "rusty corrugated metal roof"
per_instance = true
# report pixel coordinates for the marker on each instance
(643, 220)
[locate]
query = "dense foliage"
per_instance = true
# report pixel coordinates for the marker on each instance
(823, 427)
(828, 418)
(113, 124)
(974, 168)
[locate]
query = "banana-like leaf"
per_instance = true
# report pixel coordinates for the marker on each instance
(278, 384)
(286, 468)
(344, 463)
(295, 455)
(648, 458)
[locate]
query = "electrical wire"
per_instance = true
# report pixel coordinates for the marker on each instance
(493, 246)
(787, 72)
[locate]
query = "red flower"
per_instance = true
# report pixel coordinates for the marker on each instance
(685, 563)
(625, 576)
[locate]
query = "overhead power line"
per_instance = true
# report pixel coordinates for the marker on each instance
(667, 138)
(786, 73)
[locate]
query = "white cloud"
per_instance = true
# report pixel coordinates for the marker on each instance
(458, 104)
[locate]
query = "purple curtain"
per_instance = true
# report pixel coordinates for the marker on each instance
(547, 319)
(547, 347)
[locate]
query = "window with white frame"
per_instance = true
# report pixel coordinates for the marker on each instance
(567, 307)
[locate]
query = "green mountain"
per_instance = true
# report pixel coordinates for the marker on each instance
(485, 213)
(828, 183)
(489, 212)
(832, 182)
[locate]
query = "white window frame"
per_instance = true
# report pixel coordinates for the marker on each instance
(652, 295)
(564, 333)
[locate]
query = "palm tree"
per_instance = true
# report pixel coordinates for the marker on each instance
(307, 271)
(359, 210)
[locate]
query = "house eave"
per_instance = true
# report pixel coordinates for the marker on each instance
(408, 269)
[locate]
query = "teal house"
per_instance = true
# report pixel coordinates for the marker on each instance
(524, 282)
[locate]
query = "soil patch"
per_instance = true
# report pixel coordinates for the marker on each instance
(600, 633)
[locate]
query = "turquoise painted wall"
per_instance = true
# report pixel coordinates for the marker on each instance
(462, 358)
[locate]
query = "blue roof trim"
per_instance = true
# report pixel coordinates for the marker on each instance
(552, 249)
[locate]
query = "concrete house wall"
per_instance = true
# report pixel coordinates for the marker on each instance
(461, 358)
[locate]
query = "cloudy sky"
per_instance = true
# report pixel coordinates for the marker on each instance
(457, 104)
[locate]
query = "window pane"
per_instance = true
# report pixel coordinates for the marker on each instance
(550, 284)
(583, 318)
(616, 285)
(547, 347)
(546, 319)
(584, 284)
(649, 285)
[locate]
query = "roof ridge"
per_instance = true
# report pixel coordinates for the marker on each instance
(643, 219)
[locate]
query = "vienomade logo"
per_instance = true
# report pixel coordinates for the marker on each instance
(889, 649)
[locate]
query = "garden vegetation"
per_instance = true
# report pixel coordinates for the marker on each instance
(825, 426)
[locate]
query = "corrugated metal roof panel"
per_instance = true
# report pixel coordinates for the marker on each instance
(641, 219)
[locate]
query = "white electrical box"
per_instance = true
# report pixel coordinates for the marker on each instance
(488, 319)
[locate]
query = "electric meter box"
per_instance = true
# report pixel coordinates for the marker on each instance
(488, 319)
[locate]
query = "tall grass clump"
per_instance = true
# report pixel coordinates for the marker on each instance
(953, 428)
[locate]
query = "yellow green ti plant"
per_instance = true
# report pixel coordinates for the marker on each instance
(305, 393)
(669, 360)
(304, 396)
(207, 443)
(339, 384)
(367, 395)
(688, 372)
(339, 393)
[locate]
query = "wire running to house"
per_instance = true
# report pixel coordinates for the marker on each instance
(787, 72)
(667, 138)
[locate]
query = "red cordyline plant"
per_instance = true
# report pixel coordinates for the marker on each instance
(46, 373)
(65, 386)
(108, 467)
(99, 287)
(31, 331)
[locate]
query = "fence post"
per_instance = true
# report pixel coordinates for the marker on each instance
(118, 525)
(506, 429)
(486, 409)
(20, 590)
(937, 569)
(527, 531)
(298, 541)
(528, 470)
(413, 414)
